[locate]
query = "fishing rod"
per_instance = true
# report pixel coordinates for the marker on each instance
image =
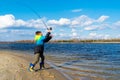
(40, 18)
(35, 12)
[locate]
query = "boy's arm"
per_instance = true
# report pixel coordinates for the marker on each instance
(48, 36)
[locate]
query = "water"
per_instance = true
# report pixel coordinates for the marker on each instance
(85, 61)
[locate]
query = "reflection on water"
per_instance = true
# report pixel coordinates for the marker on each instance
(80, 61)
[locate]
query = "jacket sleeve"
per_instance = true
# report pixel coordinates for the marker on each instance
(47, 37)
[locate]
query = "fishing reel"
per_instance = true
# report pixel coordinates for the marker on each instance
(49, 28)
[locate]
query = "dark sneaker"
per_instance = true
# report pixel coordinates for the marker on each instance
(42, 65)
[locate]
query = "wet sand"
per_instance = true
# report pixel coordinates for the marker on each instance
(14, 66)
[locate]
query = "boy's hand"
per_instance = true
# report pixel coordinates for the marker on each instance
(48, 30)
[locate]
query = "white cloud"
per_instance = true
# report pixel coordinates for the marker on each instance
(34, 23)
(97, 26)
(15, 31)
(74, 34)
(30, 23)
(61, 22)
(3, 30)
(92, 27)
(6, 20)
(94, 35)
(9, 21)
(77, 10)
(78, 24)
(61, 34)
(73, 30)
(75, 22)
(117, 24)
(89, 23)
(102, 18)
(118, 36)
(62, 30)
(82, 20)
(20, 22)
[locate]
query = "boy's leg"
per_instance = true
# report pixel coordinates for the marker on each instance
(36, 60)
(42, 61)
(42, 58)
(36, 54)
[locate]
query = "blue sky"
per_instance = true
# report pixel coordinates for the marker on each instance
(80, 19)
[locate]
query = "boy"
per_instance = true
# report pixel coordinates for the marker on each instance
(39, 49)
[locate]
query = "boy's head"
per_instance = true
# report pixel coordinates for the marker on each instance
(38, 33)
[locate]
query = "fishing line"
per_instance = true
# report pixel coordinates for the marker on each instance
(36, 13)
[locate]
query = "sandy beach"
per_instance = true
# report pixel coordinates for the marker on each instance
(14, 66)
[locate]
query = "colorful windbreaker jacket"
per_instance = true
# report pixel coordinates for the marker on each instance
(40, 40)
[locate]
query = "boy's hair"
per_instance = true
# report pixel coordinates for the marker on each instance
(37, 32)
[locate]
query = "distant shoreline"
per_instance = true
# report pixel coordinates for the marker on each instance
(69, 41)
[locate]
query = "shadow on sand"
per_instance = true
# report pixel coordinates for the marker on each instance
(47, 68)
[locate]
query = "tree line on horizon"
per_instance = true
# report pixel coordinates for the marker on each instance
(71, 40)
(78, 40)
